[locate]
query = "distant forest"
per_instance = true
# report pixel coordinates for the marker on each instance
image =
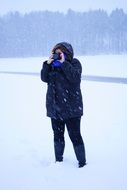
(90, 33)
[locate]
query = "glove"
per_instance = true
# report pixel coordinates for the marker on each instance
(56, 63)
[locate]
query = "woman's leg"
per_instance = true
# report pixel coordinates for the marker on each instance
(73, 127)
(58, 127)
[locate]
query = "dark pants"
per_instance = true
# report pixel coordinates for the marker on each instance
(73, 128)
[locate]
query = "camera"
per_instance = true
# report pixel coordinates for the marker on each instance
(56, 56)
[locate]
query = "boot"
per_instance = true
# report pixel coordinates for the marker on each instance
(59, 150)
(80, 155)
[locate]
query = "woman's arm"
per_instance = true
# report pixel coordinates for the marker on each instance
(45, 72)
(72, 70)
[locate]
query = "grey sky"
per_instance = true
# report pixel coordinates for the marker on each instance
(58, 5)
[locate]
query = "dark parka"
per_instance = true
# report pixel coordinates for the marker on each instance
(63, 98)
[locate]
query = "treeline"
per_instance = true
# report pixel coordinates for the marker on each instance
(34, 34)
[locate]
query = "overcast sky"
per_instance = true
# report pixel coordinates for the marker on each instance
(60, 5)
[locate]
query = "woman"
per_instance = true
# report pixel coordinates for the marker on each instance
(64, 104)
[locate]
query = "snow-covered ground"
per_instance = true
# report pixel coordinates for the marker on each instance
(26, 139)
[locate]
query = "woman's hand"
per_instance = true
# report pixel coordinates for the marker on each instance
(50, 60)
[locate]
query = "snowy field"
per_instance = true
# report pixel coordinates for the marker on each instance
(26, 139)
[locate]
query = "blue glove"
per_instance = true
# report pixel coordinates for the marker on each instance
(56, 63)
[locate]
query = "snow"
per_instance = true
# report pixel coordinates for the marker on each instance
(105, 65)
(26, 139)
